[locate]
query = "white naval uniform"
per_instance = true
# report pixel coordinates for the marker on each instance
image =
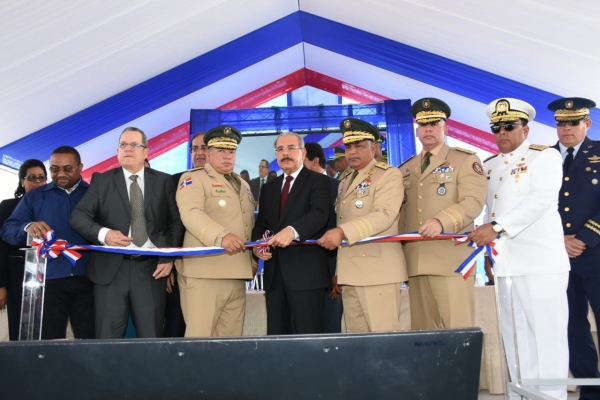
(522, 197)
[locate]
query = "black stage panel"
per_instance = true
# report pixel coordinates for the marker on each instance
(440, 364)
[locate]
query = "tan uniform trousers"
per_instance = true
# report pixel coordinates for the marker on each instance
(372, 308)
(441, 302)
(212, 307)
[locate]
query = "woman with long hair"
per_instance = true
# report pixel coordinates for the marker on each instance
(32, 174)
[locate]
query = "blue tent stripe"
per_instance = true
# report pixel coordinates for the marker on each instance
(160, 90)
(466, 81)
(258, 45)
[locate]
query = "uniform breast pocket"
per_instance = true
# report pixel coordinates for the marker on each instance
(220, 202)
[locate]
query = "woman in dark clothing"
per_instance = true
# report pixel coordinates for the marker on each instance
(31, 175)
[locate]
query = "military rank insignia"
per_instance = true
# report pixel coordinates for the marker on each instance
(186, 182)
(594, 159)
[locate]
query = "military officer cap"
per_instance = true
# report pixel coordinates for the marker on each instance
(356, 130)
(338, 152)
(571, 108)
(223, 137)
(381, 139)
(430, 110)
(508, 109)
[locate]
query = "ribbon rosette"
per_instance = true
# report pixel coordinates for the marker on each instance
(262, 249)
(467, 266)
(50, 247)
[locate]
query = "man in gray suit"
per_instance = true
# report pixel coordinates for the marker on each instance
(130, 206)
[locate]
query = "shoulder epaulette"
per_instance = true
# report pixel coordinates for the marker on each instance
(348, 172)
(383, 165)
(538, 147)
(195, 169)
(490, 157)
(407, 160)
(464, 150)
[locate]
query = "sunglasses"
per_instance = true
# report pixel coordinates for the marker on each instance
(508, 126)
(36, 178)
(570, 123)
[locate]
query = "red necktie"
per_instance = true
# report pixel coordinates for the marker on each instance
(284, 193)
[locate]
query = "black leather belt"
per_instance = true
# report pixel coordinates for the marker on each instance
(133, 257)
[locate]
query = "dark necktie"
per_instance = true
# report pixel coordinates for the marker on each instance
(138, 216)
(262, 182)
(425, 162)
(568, 160)
(353, 176)
(284, 193)
(234, 182)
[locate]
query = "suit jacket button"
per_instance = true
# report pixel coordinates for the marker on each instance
(568, 225)
(495, 196)
(566, 193)
(420, 196)
(344, 202)
(493, 214)
(420, 223)
(341, 217)
(364, 255)
(567, 209)
(421, 184)
(566, 178)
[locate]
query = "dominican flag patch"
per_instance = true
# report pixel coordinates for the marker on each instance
(186, 182)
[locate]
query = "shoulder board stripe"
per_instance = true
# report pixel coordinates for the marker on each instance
(463, 150)
(538, 147)
(195, 169)
(383, 165)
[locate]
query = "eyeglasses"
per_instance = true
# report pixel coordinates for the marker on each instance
(194, 149)
(36, 178)
(508, 126)
(570, 123)
(134, 146)
(67, 169)
(288, 148)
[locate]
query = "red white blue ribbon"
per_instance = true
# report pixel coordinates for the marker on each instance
(467, 266)
(50, 247)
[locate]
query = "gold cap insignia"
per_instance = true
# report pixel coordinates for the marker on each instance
(347, 124)
(227, 131)
(501, 107)
(569, 104)
(426, 104)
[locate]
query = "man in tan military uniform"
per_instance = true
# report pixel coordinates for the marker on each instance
(341, 164)
(217, 209)
(368, 204)
(379, 152)
(445, 190)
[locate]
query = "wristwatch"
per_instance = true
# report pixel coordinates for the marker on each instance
(497, 227)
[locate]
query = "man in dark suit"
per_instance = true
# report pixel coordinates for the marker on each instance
(133, 207)
(332, 302)
(256, 184)
(295, 206)
(579, 208)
